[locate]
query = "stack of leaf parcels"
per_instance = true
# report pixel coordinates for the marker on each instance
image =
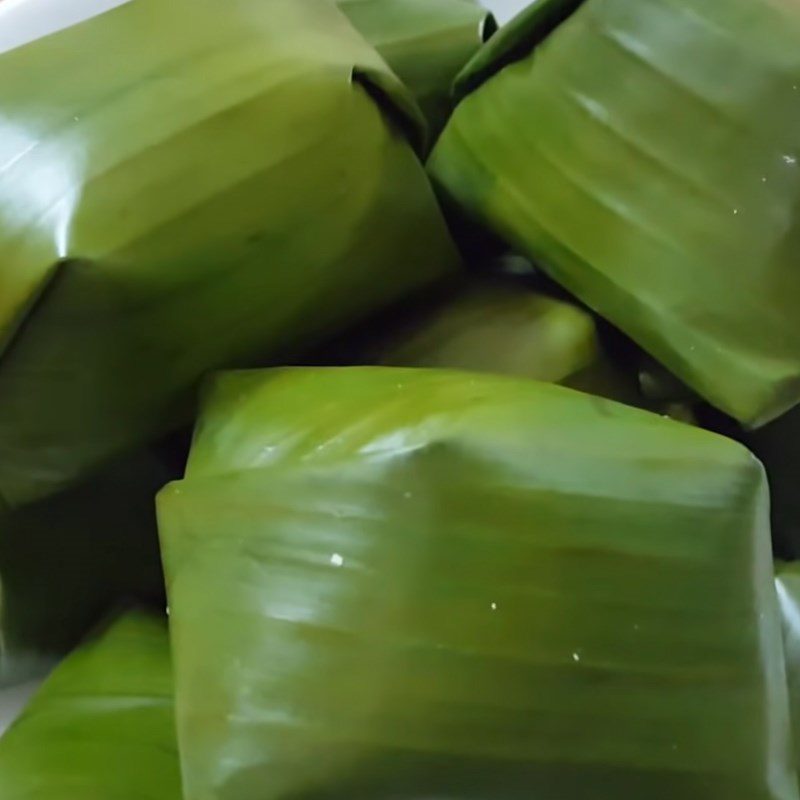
(471, 508)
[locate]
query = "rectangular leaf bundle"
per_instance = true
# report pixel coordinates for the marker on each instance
(419, 583)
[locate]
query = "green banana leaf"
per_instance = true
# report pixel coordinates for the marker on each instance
(504, 326)
(787, 583)
(646, 153)
(66, 560)
(507, 320)
(426, 43)
(102, 725)
(513, 41)
(397, 583)
(777, 445)
(496, 327)
(187, 185)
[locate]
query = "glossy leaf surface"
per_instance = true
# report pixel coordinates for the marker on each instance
(647, 155)
(426, 42)
(777, 445)
(787, 582)
(393, 583)
(218, 184)
(102, 725)
(537, 20)
(505, 327)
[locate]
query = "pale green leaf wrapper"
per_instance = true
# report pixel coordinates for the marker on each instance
(426, 42)
(393, 583)
(102, 726)
(217, 184)
(646, 154)
(787, 583)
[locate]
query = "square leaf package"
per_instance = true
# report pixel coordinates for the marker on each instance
(391, 583)
(646, 154)
(185, 186)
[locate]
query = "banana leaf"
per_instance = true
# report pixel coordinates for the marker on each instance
(513, 41)
(426, 43)
(186, 185)
(777, 445)
(645, 153)
(507, 320)
(504, 326)
(102, 725)
(66, 560)
(399, 583)
(787, 583)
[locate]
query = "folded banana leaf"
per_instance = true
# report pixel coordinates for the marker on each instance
(186, 185)
(67, 560)
(426, 43)
(787, 582)
(777, 445)
(398, 583)
(646, 154)
(513, 323)
(102, 725)
(506, 327)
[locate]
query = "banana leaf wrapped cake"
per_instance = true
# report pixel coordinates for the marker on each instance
(183, 186)
(419, 583)
(218, 184)
(437, 575)
(646, 154)
(102, 725)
